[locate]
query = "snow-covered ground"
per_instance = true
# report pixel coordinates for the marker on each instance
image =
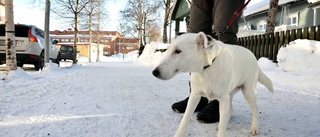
(119, 97)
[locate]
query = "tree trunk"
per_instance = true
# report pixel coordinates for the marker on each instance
(11, 61)
(98, 37)
(272, 13)
(75, 39)
(144, 28)
(90, 36)
(166, 22)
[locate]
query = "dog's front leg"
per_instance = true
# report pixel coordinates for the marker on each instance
(192, 104)
(224, 104)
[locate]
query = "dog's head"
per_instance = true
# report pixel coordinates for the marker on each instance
(188, 53)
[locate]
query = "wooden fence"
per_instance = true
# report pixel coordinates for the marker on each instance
(268, 45)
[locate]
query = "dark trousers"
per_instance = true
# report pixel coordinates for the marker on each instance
(213, 15)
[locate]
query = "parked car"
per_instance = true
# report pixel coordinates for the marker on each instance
(67, 52)
(29, 46)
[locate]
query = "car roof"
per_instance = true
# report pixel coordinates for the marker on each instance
(25, 25)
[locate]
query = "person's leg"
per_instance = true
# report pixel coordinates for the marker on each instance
(201, 16)
(221, 13)
(180, 106)
(200, 20)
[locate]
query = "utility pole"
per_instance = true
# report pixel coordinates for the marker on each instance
(46, 31)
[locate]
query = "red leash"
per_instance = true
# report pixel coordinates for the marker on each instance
(235, 14)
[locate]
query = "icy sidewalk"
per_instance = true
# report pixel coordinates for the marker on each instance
(123, 99)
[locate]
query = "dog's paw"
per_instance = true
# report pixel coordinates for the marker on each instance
(254, 132)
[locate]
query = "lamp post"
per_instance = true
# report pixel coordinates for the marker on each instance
(46, 31)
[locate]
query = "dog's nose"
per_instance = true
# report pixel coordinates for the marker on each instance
(156, 72)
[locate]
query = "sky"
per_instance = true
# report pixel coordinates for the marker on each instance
(26, 12)
(119, 97)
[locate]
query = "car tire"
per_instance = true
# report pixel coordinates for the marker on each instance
(20, 65)
(58, 60)
(40, 63)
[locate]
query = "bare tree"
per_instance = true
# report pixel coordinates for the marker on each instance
(98, 30)
(166, 22)
(11, 61)
(135, 16)
(272, 14)
(71, 9)
(91, 19)
(90, 13)
(154, 33)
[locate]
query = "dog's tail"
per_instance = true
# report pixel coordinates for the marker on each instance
(264, 80)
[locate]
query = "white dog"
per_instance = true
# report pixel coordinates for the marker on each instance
(217, 70)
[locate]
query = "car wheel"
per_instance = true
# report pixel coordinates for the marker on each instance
(58, 59)
(20, 65)
(40, 63)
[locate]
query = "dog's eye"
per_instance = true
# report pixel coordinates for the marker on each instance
(177, 51)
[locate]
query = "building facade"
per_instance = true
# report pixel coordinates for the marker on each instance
(291, 13)
(112, 41)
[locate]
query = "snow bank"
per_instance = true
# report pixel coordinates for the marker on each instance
(300, 55)
(51, 67)
(266, 64)
(150, 55)
(2, 75)
(18, 73)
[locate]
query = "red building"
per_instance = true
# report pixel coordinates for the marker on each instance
(114, 41)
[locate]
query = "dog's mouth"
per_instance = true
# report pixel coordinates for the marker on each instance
(160, 75)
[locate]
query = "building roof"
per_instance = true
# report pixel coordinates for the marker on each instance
(262, 6)
(71, 32)
(181, 9)
(314, 3)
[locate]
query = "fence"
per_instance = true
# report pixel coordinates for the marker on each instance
(268, 45)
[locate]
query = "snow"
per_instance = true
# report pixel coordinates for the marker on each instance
(119, 97)
(256, 6)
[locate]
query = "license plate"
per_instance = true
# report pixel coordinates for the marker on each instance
(18, 43)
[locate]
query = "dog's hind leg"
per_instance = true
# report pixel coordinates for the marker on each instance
(191, 106)
(249, 91)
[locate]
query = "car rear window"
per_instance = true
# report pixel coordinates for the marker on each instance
(20, 31)
(66, 48)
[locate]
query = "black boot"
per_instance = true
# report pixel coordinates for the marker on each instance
(181, 106)
(210, 114)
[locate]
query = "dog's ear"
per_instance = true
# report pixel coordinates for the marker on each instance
(203, 40)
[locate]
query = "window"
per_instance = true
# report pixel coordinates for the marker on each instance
(293, 19)
(39, 32)
(262, 25)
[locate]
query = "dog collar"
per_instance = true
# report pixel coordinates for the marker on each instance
(207, 66)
